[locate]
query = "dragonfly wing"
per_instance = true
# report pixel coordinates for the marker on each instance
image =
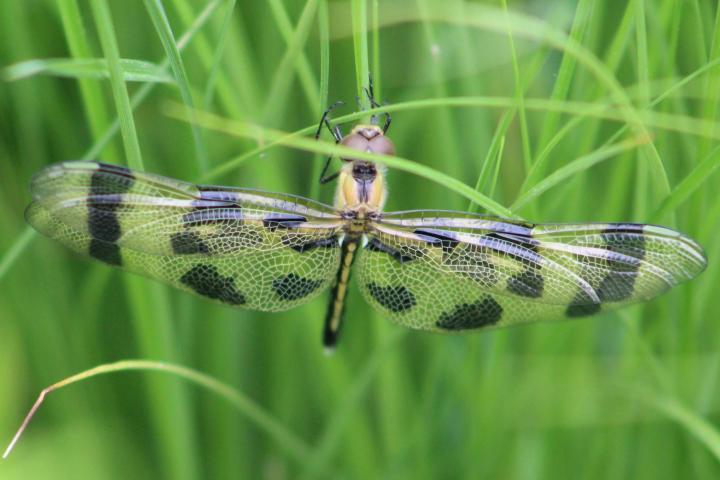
(246, 248)
(461, 272)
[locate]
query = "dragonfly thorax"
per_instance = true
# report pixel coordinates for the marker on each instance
(361, 186)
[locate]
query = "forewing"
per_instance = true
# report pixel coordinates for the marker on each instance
(460, 271)
(246, 248)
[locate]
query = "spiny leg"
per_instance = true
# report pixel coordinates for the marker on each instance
(325, 120)
(337, 135)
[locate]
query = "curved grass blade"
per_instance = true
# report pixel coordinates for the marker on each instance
(690, 184)
(247, 130)
(287, 440)
(576, 166)
(132, 70)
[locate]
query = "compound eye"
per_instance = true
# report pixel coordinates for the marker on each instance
(382, 145)
(356, 142)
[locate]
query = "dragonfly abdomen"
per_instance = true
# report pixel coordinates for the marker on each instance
(336, 309)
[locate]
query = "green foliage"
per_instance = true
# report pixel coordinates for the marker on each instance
(554, 111)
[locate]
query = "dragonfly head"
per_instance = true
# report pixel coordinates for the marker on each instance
(370, 139)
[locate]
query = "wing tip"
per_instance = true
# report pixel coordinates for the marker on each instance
(692, 259)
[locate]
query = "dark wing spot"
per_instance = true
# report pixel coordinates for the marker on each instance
(277, 220)
(103, 223)
(629, 245)
(396, 299)
(205, 280)
(293, 287)
(105, 251)
(471, 315)
(582, 310)
(617, 286)
(186, 243)
(528, 283)
(107, 184)
(292, 242)
(582, 306)
(375, 245)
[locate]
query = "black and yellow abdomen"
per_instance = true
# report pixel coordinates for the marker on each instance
(336, 309)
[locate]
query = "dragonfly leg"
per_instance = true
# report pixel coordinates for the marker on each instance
(337, 135)
(325, 120)
(328, 178)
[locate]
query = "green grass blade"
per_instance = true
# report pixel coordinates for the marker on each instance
(288, 441)
(375, 27)
(106, 31)
(211, 85)
(139, 97)
(92, 94)
(487, 179)
(245, 130)
(575, 167)
(496, 20)
(564, 77)
(712, 84)
(283, 76)
(519, 96)
(698, 177)
(359, 11)
(236, 95)
(95, 68)
(167, 38)
(302, 65)
(324, 30)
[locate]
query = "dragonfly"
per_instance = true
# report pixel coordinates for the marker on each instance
(436, 270)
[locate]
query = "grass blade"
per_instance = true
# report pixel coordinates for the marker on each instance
(81, 68)
(293, 445)
(162, 27)
(283, 76)
(698, 177)
(575, 167)
(106, 31)
(246, 130)
(211, 84)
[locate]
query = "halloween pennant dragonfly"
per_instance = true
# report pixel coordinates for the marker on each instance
(432, 270)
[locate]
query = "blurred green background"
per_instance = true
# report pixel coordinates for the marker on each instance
(622, 100)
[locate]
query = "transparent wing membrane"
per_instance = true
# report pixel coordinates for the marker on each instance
(240, 247)
(464, 271)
